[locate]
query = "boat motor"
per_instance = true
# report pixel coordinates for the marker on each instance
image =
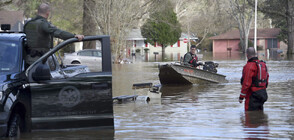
(210, 66)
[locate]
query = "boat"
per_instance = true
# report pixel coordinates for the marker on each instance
(176, 73)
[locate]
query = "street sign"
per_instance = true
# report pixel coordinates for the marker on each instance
(185, 40)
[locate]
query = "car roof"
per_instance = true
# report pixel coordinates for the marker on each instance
(89, 50)
(11, 36)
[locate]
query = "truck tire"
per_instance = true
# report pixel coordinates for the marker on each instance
(14, 126)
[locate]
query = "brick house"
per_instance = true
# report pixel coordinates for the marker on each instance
(14, 18)
(266, 39)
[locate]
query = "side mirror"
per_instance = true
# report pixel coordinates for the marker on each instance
(41, 73)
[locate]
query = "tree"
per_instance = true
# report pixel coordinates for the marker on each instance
(5, 3)
(116, 18)
(62, 14)
(163, 28)
(89, 26)
(203, 19)
(282, 14)
(242, 12)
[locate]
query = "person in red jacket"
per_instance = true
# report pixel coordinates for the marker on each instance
(254, 82)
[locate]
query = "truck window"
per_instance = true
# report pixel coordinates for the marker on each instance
(9, 57)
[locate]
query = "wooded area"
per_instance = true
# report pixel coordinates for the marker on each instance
(202, 18)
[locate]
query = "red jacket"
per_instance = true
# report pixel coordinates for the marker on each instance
(249, 73)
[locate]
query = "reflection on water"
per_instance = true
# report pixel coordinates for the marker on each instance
(255, 125)
(69, 134)
(207, 111)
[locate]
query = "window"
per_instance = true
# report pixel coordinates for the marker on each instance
(97, 53)
(272, 43)
(51, 63)
(85, 53)
(9, 56)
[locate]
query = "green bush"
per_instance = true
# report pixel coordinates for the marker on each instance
(146, 49)
(250, 44)
(259, 48)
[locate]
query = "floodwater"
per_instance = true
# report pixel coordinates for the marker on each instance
(204, 111)
(196, 111)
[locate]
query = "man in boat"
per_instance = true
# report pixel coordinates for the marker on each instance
(254, 82)
(40, 33)
(191, 59)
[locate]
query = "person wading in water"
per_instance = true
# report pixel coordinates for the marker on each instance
(254, 82)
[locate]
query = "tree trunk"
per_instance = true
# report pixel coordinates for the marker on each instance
(290, 36)
(290, 20)
(242, 42)
(163, 51)
(244, 20)
(89, 27)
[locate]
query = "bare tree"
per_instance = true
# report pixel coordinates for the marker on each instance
(116, 18)
(89, 26)
(185, 8)
(201, 18)
(243, 14)
(4, 3)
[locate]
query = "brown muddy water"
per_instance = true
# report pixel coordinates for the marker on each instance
(196, 111)
(204, 111)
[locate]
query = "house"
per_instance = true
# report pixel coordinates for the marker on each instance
(137, 43)
(14, 18)
(266, 39)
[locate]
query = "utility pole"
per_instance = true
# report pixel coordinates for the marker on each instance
(188, 43)
(255, 26)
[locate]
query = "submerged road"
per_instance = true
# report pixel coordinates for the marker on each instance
(204, 111)
(196, 111)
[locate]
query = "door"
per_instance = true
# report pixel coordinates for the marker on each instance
(76, 102)
(80, 101)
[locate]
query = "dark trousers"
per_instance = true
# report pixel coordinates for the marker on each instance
(257, 99)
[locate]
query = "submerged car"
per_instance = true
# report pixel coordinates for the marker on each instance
(88, 57)
(48, 95)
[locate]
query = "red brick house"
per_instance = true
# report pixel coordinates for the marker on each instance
(266, 39)
(14, 18)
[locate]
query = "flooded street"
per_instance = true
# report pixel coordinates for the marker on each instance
(203, 111)
(196, 111)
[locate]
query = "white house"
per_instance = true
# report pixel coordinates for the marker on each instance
(136, 43)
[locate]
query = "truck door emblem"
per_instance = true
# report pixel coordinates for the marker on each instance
(69, 96)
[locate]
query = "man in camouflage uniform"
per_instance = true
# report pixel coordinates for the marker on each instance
(40, 33)
(191, 59)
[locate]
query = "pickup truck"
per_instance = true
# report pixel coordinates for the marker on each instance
(48, 95)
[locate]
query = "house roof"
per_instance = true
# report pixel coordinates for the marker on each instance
(261, 33)
(14, 18)
(184, 35)
(135, 34)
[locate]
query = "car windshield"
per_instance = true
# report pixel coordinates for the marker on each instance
(9, 56)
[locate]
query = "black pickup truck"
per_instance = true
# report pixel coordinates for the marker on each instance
(49, 95)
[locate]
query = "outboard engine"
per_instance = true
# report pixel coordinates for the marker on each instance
(210, 66)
